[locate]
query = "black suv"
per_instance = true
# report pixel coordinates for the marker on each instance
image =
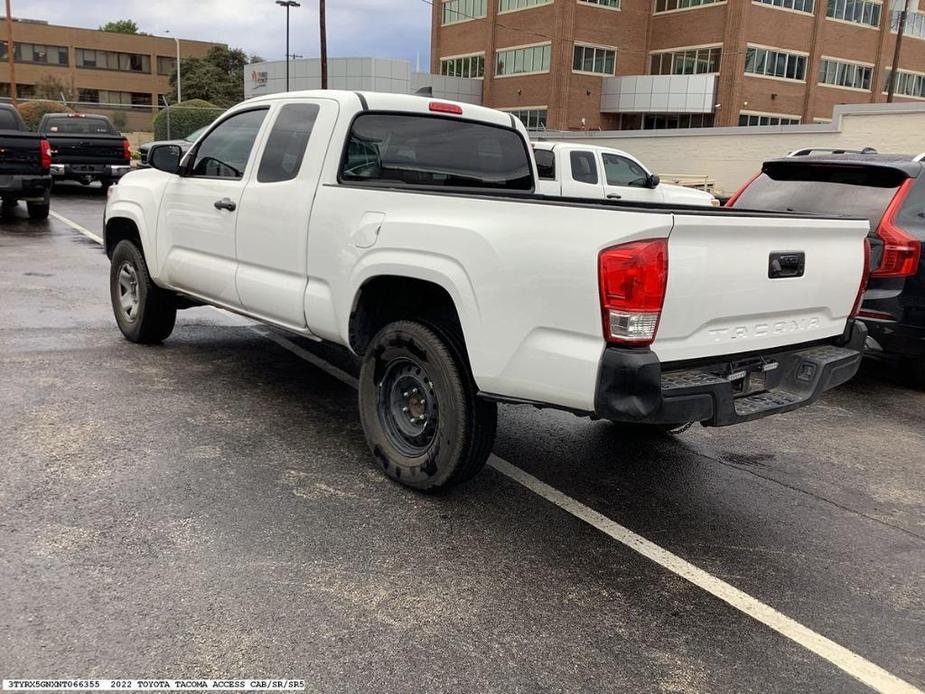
(887, 189)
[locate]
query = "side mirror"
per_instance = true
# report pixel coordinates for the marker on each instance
(165, 158)
(653, 181)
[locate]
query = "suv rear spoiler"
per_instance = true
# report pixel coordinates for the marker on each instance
(806, 151)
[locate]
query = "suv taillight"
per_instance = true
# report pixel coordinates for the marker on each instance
(735, 196)
(632, 280)
(45, 154)
(901, 251)
(865, 276)
(126, 150)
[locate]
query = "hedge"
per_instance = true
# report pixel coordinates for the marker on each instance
(32, 111)
(185, 117)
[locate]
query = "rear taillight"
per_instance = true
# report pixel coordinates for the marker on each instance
(865, 275)
(45, 154)
(126, 150)
(632, 280)
(901, 250)
(735, 196)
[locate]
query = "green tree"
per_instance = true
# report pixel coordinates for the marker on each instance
(121, 26)
(217, 77)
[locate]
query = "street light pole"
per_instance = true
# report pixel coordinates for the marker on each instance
(287, 4)
(179, 88)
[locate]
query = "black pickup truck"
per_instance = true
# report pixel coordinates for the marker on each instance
(85, 148)
(25, 161)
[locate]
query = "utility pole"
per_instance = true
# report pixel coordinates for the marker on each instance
(894, 73)
(288, 4)
(10, 52)
(324, 46)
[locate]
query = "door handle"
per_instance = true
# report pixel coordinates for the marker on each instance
(225, 204)
(614, 196)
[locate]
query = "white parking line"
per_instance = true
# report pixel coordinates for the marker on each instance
(849, 662)
(74, 225)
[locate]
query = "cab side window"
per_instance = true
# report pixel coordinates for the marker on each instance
(621, 171)
(224, 151)
(584, 168)
(286, 144)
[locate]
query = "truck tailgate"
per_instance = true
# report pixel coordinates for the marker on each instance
(726, 295)
(86, 149)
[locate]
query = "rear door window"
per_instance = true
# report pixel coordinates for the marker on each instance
(852, 191)
(545, 164)
(285, 148)
(8, 121)
(430, 151)
(80, 126)
(584, 167)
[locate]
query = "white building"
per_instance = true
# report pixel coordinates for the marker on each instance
(358, 74)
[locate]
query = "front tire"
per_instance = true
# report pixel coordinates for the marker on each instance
(418, 406)
(144, 312)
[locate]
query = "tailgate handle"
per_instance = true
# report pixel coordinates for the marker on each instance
(786, 264)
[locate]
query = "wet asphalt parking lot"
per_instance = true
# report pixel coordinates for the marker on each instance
(208, 508)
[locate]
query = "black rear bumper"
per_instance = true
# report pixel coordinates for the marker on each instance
(633, 386)
(25, 186)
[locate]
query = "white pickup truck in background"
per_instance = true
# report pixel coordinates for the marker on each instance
(409, 231)
(575, 170)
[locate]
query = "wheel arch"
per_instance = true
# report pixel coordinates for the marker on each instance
(388, 297)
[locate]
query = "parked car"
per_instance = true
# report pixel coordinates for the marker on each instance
(889, 191)
(25, 159)
(85, 148)
(585, 171)
(407, 230)
(184, 144)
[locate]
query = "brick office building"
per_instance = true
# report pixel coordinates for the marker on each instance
(629, 64)
(98, 67)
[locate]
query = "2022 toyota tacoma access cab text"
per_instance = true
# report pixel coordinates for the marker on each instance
(408, 230)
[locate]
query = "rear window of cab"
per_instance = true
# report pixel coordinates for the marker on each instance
(435, 152)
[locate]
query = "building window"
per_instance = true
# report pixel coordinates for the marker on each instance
(746, 118)
(612, 4)
(841, 74)
(37, 53)
(511, 5)
(770, 62)
(692, 61)
(672, 5)
(23, 91)
(855, 11)
(88, 96)
(797, 5)
(915, 23)
(110, 60)
(518, 61)
(469, 66)
(462, 10)
(674, 121)
(166, 65)
(907, 84)
(600, 61)
(532, 118)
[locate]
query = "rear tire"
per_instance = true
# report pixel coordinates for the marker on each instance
(38, 210)
(418, 406)
(917, 369)
(144, 312)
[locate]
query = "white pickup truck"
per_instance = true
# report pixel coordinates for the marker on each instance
(408, 230)
(579, 170)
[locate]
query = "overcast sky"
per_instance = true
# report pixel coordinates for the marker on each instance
(379, 28)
